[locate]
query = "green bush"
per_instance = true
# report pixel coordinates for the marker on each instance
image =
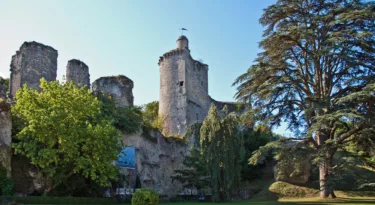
(145, 197)
(7, 186)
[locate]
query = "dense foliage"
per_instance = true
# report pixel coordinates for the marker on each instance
(65, 134)
(145, 197)
(151, 118)
(150, 113)
(316, 72)
(128, 119)
(5, 83)
(195, 174)
(222, 147)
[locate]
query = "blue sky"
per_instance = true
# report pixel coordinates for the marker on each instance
(127, 37)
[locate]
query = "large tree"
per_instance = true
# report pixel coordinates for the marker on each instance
(65, 135)
(317, 73)
(223, 151)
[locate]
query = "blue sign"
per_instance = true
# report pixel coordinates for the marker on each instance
(126, 159)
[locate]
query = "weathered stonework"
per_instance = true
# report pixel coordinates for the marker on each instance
(156, 160)
(119, 87)
(2, 91)
(27, 179)
(5, 136)
(31, 63)
(77, 72)
(183, 89)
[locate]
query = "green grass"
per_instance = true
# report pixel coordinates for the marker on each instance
(300, 201)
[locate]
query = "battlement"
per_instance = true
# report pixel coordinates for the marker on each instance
(174, 52)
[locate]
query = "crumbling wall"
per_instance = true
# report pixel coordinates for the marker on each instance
(5, 136)
(232, 106)
(156, 160)
(119, 87)
(77, 72)
(32, 62)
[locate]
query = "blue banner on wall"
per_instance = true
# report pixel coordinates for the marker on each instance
(126, 159)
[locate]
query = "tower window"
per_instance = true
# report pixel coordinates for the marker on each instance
(201, 83)
(181, 83)
(197, 116)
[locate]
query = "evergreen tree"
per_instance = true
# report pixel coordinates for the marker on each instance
(222, 147)
(317, 72)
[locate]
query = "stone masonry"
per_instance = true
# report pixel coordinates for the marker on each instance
(119, 87)
(184, 95)
(5, 136)
(78, 73)
(31, 63)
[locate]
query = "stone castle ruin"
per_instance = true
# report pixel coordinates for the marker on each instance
(184, 100)
(77, 72)
(119, 87)
(31, 63)
(184, 97)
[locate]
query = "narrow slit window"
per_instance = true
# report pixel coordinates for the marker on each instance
(197, 116)
(181, 83)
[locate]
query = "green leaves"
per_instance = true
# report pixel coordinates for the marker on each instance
(63, 133)
(222, 146)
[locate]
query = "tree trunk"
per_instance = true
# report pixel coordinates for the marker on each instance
(323, 170)
(323, 167)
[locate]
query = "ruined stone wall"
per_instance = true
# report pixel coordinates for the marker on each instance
(32, 62)
(156, 160)
(232, 106)
(77, 72)
(5, 136)
(173, 97)
(119, 87)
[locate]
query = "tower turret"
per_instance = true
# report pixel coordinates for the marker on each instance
(182, 42)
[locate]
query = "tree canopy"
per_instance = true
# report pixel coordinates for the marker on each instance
(316, 72)
(64, 133)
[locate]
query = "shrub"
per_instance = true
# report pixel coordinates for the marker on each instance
(145, 197)
(7, 186)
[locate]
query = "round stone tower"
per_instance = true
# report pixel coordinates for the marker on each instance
(183, 89)
(77, 72)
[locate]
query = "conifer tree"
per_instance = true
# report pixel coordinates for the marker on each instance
(317, 72)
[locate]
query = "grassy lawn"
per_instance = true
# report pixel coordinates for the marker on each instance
(295, 201)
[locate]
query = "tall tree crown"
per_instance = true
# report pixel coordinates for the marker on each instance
(318, 60)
